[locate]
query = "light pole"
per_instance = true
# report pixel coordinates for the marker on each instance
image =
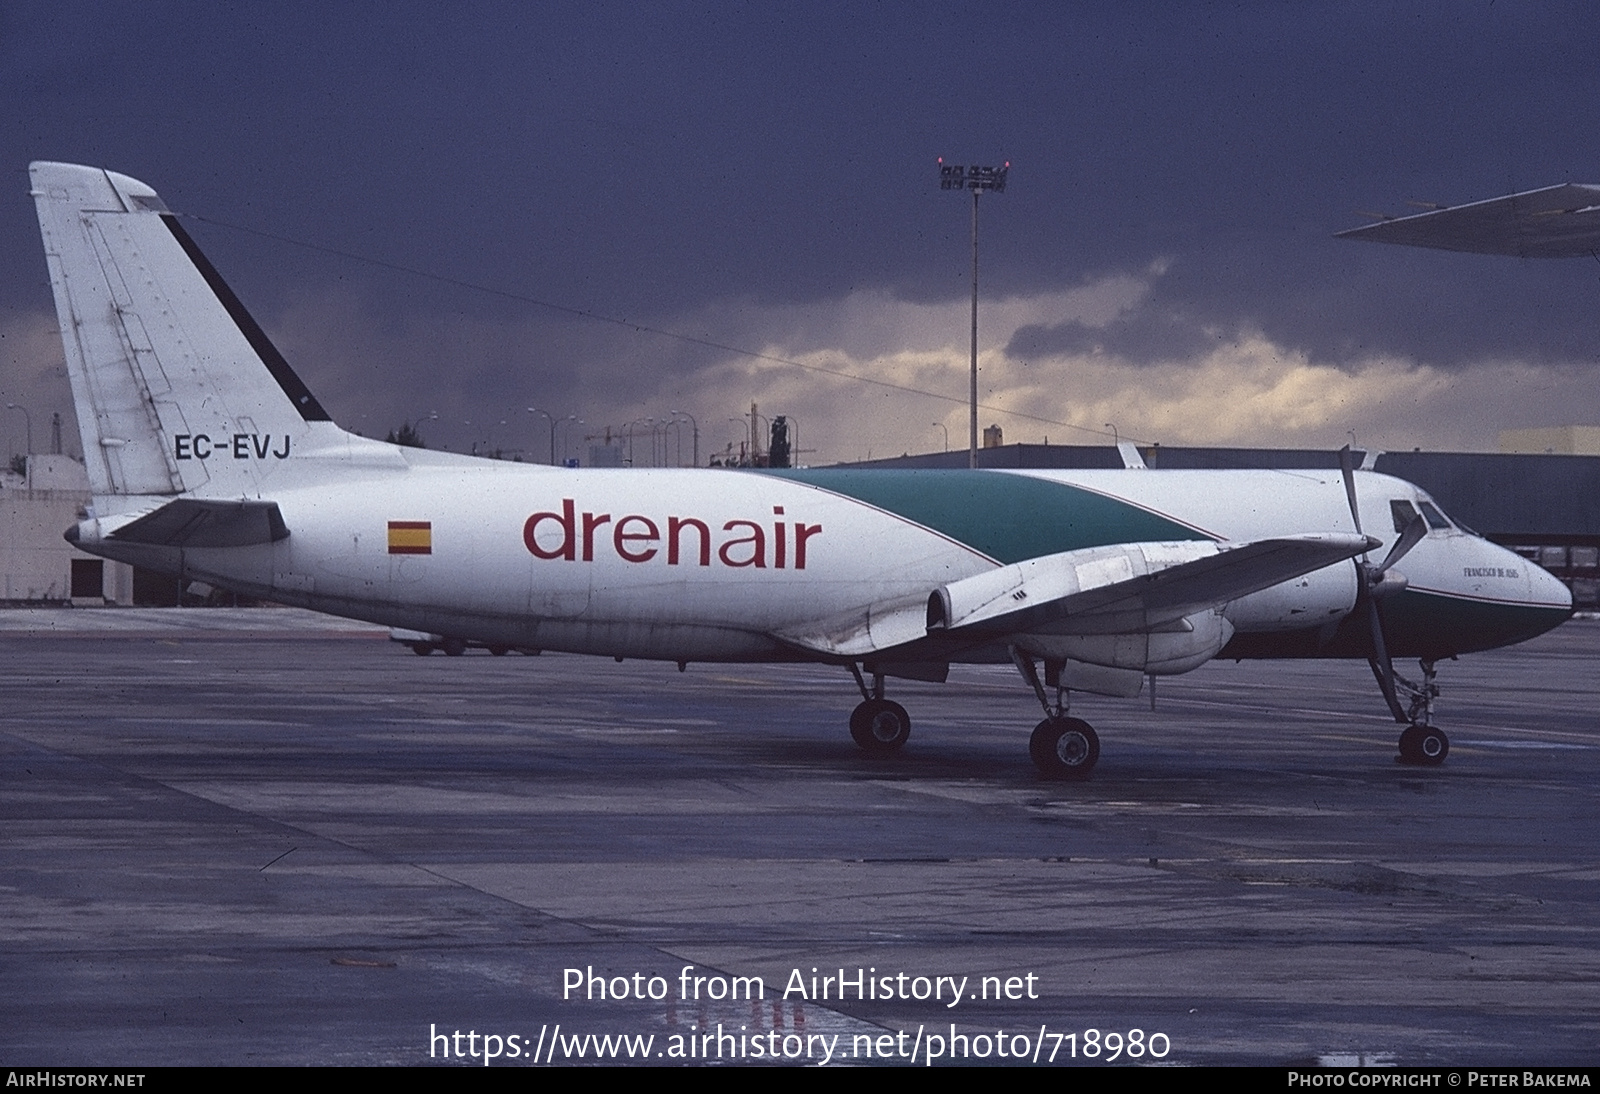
(662, 427)
(677, 448)
(28, 418)
(755, 433)
(693, 422)
(568, 421)
(628, 431)
(946, 429)
(953, 176)
(552, 421)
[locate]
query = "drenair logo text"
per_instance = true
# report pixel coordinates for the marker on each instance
(686, 541)
(239, 446)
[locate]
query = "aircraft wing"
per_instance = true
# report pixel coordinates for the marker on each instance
(1121, 589)
(196, 522)
(1554, 222)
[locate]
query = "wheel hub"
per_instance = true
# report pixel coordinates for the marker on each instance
(1072, 748)
(885, 726)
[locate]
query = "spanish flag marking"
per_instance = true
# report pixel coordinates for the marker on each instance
(411, 537)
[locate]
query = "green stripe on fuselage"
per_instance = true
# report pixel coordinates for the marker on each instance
(1010, 518)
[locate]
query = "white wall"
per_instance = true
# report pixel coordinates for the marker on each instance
(35, 562)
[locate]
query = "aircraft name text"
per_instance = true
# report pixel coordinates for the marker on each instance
(572, 536)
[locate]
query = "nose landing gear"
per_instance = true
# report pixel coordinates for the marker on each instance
(1424, 746)
(1421, 743)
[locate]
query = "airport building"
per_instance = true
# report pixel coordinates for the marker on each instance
(36, 564)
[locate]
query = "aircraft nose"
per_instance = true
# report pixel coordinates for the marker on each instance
(1519, 599)
(1545, 587)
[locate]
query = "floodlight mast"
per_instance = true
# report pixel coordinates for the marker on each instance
(955, 176)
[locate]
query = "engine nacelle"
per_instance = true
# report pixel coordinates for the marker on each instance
(1311, 600)
(1175, 648)
(1025, 593)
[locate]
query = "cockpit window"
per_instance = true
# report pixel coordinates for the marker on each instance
(1403, 512)
(1431, 514)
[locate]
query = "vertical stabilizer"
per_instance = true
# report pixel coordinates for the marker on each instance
(177, 388)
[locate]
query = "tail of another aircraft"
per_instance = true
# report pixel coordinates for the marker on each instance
(177, 389)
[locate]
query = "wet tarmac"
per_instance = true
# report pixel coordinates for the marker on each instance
(246, 837)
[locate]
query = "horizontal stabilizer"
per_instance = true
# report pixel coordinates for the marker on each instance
(191, 522)
(1553, 222)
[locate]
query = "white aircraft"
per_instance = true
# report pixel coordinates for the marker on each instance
(210, 459)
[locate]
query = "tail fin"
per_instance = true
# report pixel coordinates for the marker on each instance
(177, 388)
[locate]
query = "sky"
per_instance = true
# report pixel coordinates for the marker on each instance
(447, 214)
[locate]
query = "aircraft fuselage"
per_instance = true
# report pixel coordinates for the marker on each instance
(711, 565)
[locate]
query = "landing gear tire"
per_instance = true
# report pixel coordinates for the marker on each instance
(1064, 748)
(880, 726)
(499, 651)
(1423, 746)
(422, 649)
(453, 647)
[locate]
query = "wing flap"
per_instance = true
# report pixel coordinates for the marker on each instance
(881, 626)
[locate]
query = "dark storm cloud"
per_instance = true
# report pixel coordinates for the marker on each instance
(1340, 302)
(1141, 337)
(645, 161)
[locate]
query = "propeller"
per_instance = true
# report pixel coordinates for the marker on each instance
(1373, 583)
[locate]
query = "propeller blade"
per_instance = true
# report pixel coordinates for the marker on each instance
(1382, 664)
(1348, 469)
(1408, 539)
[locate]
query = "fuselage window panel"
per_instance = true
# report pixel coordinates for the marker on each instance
(1436, 520)
(1403, 513)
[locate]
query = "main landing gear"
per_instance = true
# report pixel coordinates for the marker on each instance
(1064, 748)
(878, 725)
(1061, 747)
(1421, 743)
